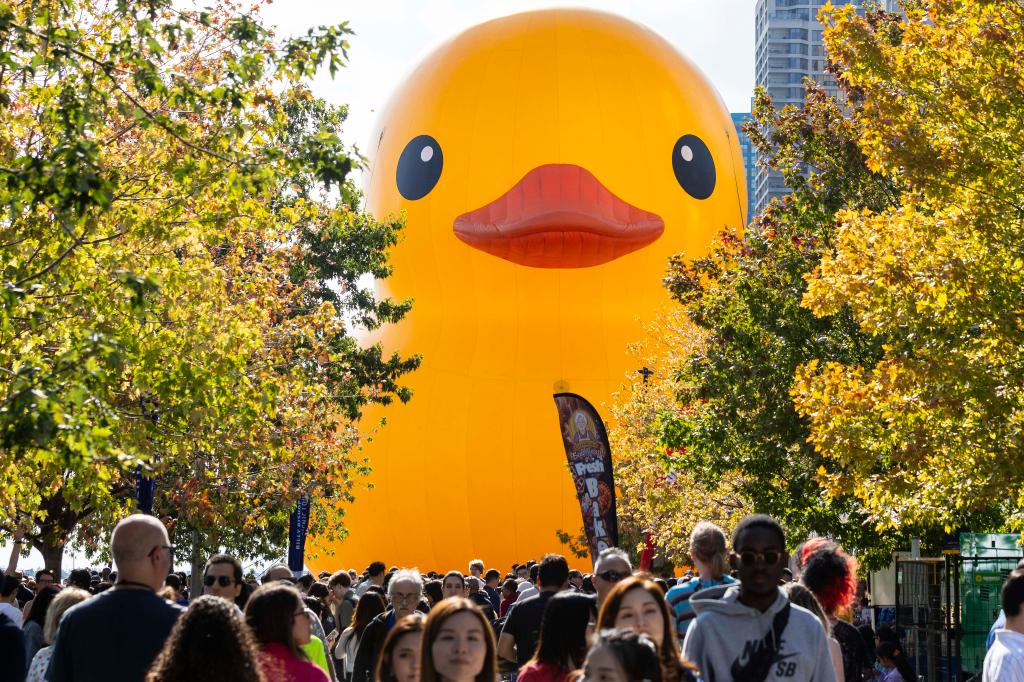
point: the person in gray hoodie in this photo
(750, 632)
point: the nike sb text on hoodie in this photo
(727, 635)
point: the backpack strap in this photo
(759, 664)
(779, 624)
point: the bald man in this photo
(278, 572)
(117, 634)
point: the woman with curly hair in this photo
(209, 642)
(400, 656)
(637, 603)
(282, 625)
(831, 574)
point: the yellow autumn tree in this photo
(933, 431)
(180, 256)
(657, 493)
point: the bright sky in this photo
(392, 36)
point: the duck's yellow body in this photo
(549, 163)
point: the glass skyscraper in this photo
(749, 162)
(788, 48)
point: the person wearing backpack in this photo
(751, 632)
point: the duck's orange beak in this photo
(559, 216)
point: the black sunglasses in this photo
(770, 558)
(223, 580)
(612, 576)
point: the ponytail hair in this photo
(707, 543)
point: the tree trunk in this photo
(53, 557)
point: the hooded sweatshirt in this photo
(726, 633)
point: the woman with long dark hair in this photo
(894, 662)
(458, 644)
(68, 597)
(400, 656)
(637, 603)
(369, 606)
(568, 622)
(209, 642)
(36, 621)
(281, 624)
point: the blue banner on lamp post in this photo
(298, 525)
(145, 490)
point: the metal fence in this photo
(944, 609)
(924, 595)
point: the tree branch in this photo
(49, 268)
(107, 68)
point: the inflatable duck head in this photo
(548, 164)
(558, 139)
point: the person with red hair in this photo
(831, 574)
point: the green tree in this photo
(736, 418)
(929, 432)
(180, 253)
(657, 493)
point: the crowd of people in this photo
(748, 614)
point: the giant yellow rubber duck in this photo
(549, 163)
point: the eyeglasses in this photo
(770, 558)
(169, 548)
(405, 598)
(612, 576)
(222, 580)
(303, 612)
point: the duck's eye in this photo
(419, 167)
(693, 166)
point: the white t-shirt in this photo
(12, 612)
(345, 650)
(526, 590)
(1004, 662)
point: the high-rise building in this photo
(749, 162)
(788, 48)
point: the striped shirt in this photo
(678, 599)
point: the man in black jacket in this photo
(479, 597)
(518, 639)
(12, 650)
(405, 590)
(116, 635)
(491, 580)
